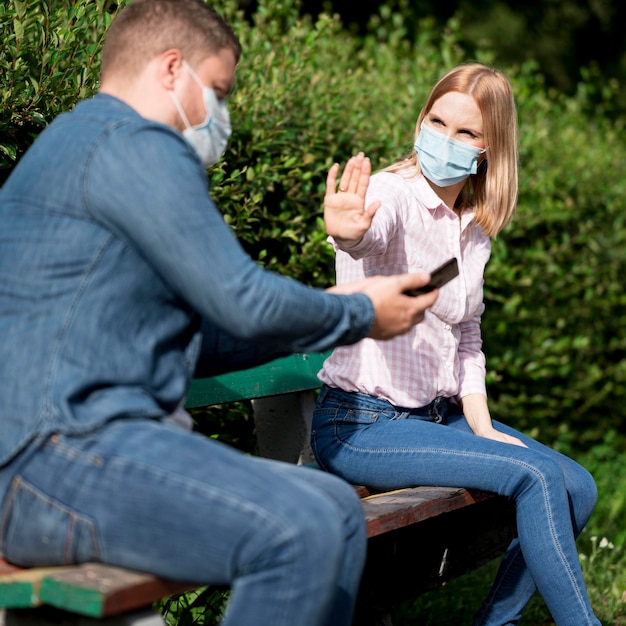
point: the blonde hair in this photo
(146, 28)
(493, 190)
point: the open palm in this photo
(345, 216)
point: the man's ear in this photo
(169, 67)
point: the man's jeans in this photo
(154, 497)
(368, 441)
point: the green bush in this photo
(48, 63)
(555, 319)
(309, 93)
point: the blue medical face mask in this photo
(210, 138)
(443, 160)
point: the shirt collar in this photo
(433, 202)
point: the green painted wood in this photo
(99, 590)
(19, 588)
(18, 594)
(70, 597)
(297, 372)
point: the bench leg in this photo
(48, 616)
(283, 426)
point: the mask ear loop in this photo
(179, 108)
(174, 98)
(193, 73)
(210, 112)
(484, 160)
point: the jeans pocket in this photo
(360, 416)
(38, 530)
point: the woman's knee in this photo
(583, 494)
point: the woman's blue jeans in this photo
(368, 441)
(154, 497)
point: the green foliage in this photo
(203, 606)
(230, 423)
(309, 94)
(555, 319)
(49, 61)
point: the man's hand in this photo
(395, 312)
(345, 216)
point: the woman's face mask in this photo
(210, 138)
(443, 160)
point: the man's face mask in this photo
(210, 138)
(443, 160)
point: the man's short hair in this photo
(146, 28)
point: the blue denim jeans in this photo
(153, 497)
(369, 441)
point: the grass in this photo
(602, 550)
(456, 603)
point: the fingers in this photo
(363, 178)
(372, 208)
(496, 435)
(349, 178)
(517, 442)
(354, 178)
(424, 302)
(413, 281)
(331, 179)
(395, 312)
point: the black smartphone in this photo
(438, 278)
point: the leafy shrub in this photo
(48, 63)
(555, 298)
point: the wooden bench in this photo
(419, 538)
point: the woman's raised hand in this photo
(345, 216)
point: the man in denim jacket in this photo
(111, 254)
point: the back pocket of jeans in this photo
(39, 530)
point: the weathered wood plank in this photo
(19, 588)
(403, 507)
(98, 590)
(7, 568)
(425, 555)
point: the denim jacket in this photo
(111, 254)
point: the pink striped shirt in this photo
(414, 230)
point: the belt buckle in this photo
(440, 409)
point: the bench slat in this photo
(19, 588)
(98, 590)
(296, 372)
(90, 589)
(403, 507)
